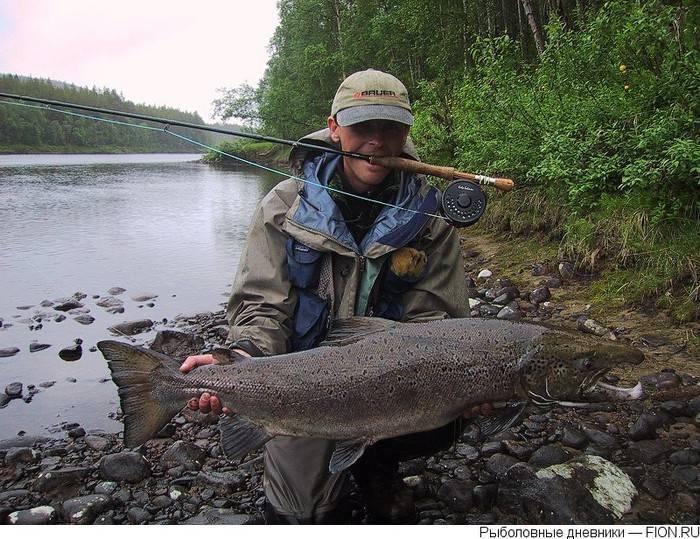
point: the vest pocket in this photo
(303, 265)
(310, 321)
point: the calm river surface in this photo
(155, 223)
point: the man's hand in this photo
(480, 409)
(206, 402)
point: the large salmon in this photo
(371, 379)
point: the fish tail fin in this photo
(132, 370)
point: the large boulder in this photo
(586, 490)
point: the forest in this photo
(25, 129)
(591, 106)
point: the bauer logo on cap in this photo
(371, 95)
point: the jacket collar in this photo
(315, 211)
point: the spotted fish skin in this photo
(390, 380)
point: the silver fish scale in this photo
(413, 377)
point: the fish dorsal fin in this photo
(346, 454)
(346, 331)
(239, 436)
(501, 419)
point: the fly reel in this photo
(463, 203)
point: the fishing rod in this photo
(462, 203)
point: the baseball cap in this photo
(371, 95)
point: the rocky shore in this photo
(636, 462)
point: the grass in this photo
(635, 261)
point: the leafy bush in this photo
(609, 109)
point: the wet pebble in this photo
(484, 274)
(125, 466)
(77, 432)
(4, 400)
(687, 474)
(106, 487)
(649, 451)
(20, 455)
(548, 455)
(68, 305)
(72, 353)
(137, 515)
(84, 509)
(485, 496)
(499, 464)
(694, 406)
(674, 408)
(456, 494)
(519, 450)
(14, 390)
(132, 328)
(540, 295)
(566, 270)
(84, 319)
(143, 297)
(491, 448)
(467, 452)
(588, 325)
(509, 313)
(185, 454)
(644, 428)
(489, 310)
(36, 347)
(601, 439)
(97, 443)
(667, 380)
(44, 514)
(685, 457)
(574, 438)
(8, 352)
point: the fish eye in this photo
(587, 363)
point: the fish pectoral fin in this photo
(239, 436)
(501, 419)
(346, 331)
(346, 454)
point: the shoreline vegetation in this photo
(34, 150)
(592, 107)
(33, 129)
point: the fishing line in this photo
(166, 129)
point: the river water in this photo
(160, 224)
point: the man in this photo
(314, 255)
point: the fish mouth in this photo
(619, 393)
(590, 385)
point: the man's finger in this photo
(215, 404)
(193, 404)
(204, 403)
(195, 361)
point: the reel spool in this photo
(463, 203)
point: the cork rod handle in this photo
(448, 173)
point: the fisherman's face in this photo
(374, 137)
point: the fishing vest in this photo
(310, 271)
